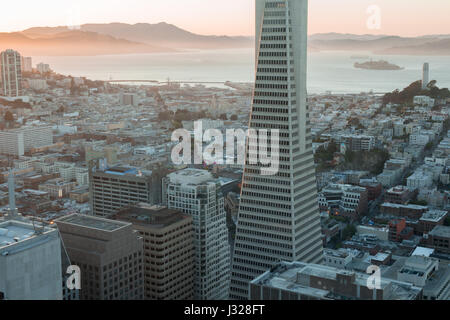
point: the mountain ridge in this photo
(121, 38)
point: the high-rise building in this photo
(109, 254)
(27, 64)
(43, 67)
(168, 250)
(198, 194)
(112, 189)
(11, 73)
(278, 216)
(426, 75)
(18, 141)
(30, 262)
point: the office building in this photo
(422, 271)
(168, 250)
(198, 194)
(356, 142)
(303, 281)
(112, 189)
(30, 261)
(398, 195)
(109, 254)
(278, 217)
(11, 73)
(344, 199)
(16, 142)
(439, 239)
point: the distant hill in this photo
(425, 45)
(122, 38)
(160, 35)
(435, 47)
(73, 43)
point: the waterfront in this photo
(328, 71)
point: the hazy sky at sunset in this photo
(231, 17)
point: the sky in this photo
(233, 17)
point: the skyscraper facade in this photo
(198, 194)
(278, 216)
(30, 261)
(109, 254)
(11, 73)
(168, 250)
(114, 188)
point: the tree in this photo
(234, 117)
(223, 116)
(9, 117)
(177, 124)
(165, 115)
(349, 231)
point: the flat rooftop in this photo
(434, 215)
(335, 253)
(152, 216)
(190, 176)
(441, 231)
(92, 222)
(409, 206)
(18, 235)
(422, 251)
(290, 276)
(11, 233)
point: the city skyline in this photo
(143, 162)
(347, 16)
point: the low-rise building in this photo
(302, 281)
(439, 239)
(346, 200)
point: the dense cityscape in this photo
(93, 207)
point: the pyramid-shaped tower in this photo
(279, 214)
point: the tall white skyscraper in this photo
(426, 75)
(11, 73)
(197, 193)
(279, 215)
